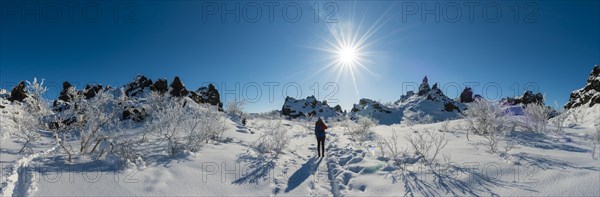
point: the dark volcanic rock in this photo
(588, 95)
(138, 86)
(91, 90)
(424, 87)
(161, 86)
(134, 113)
(208, 95)
(338, 109)
(178, 88)
(311, 107)
(527, 98)
(65, 94)
(18, 93)
(467, 95)
(363, 103)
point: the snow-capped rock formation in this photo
(527, 98)
(136, 91)
(142, 85)
(208, 95)
(466, 96)
(139, 86)
(429, 103)
(309, 107)
(588, 95)
(18, 93)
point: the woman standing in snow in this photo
(320, 134)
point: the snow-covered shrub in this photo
(26, 130)
(489, 120)
(183, 124)
(99, 118)
(235, 107)
(418, 117)
(93, 121)
(445, 126)
(536, 117)
(273, 139)
(594, 137)
(28, 122)
(391, 145)
(361, 130)
(559, 121)
(126, 148)
(427, 144)
(577, 115)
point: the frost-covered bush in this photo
(536, 117)
(577, 115)
(88, 123)
(235, 107)
(28, 122)
(489, 120)
(391, 145)
(559, 121)
(445, 126)
(418, 117)
(427, 144)
(361, 131)
(182, 124)
(594, 137)
(273, 139)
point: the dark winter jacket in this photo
(320, 128)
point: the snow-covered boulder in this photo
(588, 95)
(18, 93)
(161, 86)
(429, 102)
(527, 98)
(466, 96)
(178, 88)
(309, 107)
(208, 95)
(139, 86)
(91, 90)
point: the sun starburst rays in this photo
(349, 50)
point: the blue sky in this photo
(548, 47)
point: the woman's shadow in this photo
(303, 173)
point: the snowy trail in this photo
(19, 181)
(326, 179)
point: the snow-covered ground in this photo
(539, 165)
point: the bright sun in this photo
(349, 51)
(347, 55)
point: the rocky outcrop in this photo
(134, 113)
(527, 98)
(364, 104)
(309, 107)
(178, 88)
(91, 90)
(338, 109)
(424, 87)
(208, 95)
(138, 86)
(466, 96)
(160, 86)
(67, 93)
(428, 101)
(589, 95)
(18, 93)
